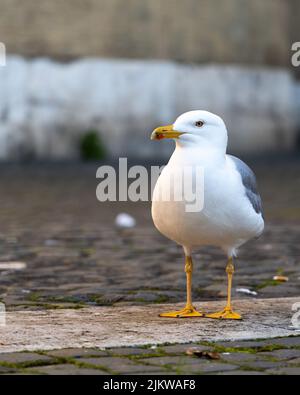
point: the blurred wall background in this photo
(123, 67)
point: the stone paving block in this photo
(290, 371)
(119, 365)
(295, 361)
(24, 357)
(254, 344)
(263, 365)
(5, 370)
(257, 343)
(208, 367)
(240, 357)
(132, 351)
(283, 354)
(242, 373)
(172, 360)
(23, 373)
(162, 372)
(66, 369)
(292, 341)
(105, 327)
(77, 353)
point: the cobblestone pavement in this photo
(279, 356)
(50, 220)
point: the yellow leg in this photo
(227, 313)
(189, 310)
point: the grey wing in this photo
(249, 182)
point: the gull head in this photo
(195, 128)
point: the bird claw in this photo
(187, 312)
(226, 314)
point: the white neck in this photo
(204, 155)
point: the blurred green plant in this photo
(91, 146)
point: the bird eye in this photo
(199, 124)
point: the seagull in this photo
(231, 213)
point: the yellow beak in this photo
(165, 132)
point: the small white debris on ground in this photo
(267, 247)
(124, 220)
(281, 279)
(12, 265)
(246, 291)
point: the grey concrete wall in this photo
(46, 106)
(226, 31)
